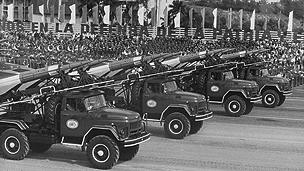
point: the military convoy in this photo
(103, 106)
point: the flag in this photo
(166, 16)
(10, 12)
(30, 12)
(140, 14)
(153, 17)
(52, 12)
(73, 14)
(130, 12)
(41, 10)
(118, 12)
(95, 14)
(177, 20)
(20, 12)
(252, 20)
(203, 13)
(106, 17)
(265, 23)
(62, 13)
(59, 9)
(191, 17)
(290, 21)
(241, 19)
(214, 12)
(84, 15)
(48, 6)
(160, 11)
(1, 11)
(229, 18)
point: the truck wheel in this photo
(249, 108)
(52, 106)
(235, 106)
(282, 100)
(195, 127)
(102, 152)
(177, 126)
(270, 98)
(39, 147)
(14, 144)
(127, 153)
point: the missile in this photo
(125, 64)
(9, 83)
(191, 57)
(242, 53)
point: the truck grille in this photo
(135, 127)
(202, 106)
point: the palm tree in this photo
(176, 7)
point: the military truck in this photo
(160, 100)
(219, 85)
(272, 88)
(78, 117)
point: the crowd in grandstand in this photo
(38, 50)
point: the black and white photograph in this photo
(152, 85)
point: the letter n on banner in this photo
(248, 35)
(132, 31)
(228, 34)
(143, 31)
(199, 33)
(161, 31)
(266, 35)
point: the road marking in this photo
(255, 139)
(269, 117)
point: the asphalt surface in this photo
(266, 139)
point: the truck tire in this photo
(235, 106)
(50, 109)
(177, 126)
(195, 127)
(127, 153)
(102, 152)
(249, 108)
(282, 100)
(39, 147)
(270, 98)
(14, 144)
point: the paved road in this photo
(266, 139)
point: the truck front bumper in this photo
(138, 139)
(255, 99)
(203, 116)
(286, 93)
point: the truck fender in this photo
(19, 123)
(275, 86)
(233, 91)
(106, 129)
(185, 108)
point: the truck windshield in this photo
(94, 102)
(264, 72)
(169, 86)
(228, 75)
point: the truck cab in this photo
(161, 100)
(81, 118)
(273, 89)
